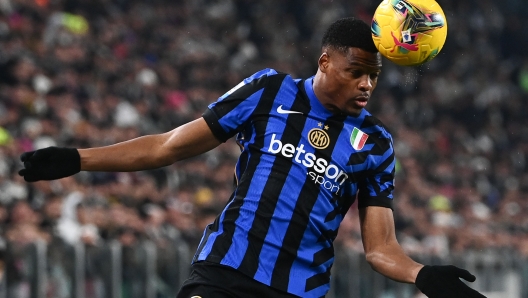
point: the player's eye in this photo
(356, 73)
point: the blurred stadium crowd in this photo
(95, 72)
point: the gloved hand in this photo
(444, 282)
(50, 163)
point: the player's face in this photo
(348, 79)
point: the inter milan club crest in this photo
(358, 139)
(318, 138)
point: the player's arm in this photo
(147, 152)
(221, 121)
(151, 151)
(387, 257)
(382, 250)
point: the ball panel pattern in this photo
(409, 32)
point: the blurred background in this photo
(95, 72)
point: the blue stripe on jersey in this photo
(206, 249)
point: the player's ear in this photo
(323, 62)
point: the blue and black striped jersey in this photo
(300, 170)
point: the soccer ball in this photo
(409, 32)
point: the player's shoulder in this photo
(373, 124)
(256, 81)
(271, 77)
(267, 73)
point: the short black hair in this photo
(349, 32)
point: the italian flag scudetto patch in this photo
(358, 139)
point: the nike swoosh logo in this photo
(281, 111)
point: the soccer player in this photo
(309, 150)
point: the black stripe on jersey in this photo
(344, 204)
(332, 215)
(279, 173)
(381, 144)
(242, 164)
(218, 250)
(210, 229)
(358, 157)
(370, 121)
(386, 163)
(317, 280)
(299, 221)
(320, 279)
(212, 120)
(243, 159)
(323, 256)
(387, 178)
(381, 199)
(375, 201)
(229, 103)
(356, 177)
(330, 234)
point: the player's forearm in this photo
(138, 154)
(392, 262)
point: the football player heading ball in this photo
(309, 150)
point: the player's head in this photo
(346, 33)
(348, 66)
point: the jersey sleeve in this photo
(376, 189)
(229, 114)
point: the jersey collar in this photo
(317, 106)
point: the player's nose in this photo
(365, 83)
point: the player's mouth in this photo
(361, 100)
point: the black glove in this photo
(444, 281)
(50, 163)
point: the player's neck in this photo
(323, 96)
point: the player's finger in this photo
(22, 172)
(30, 178)
(26, 155)
(42, 154)
(28, 165)
(465, 274)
